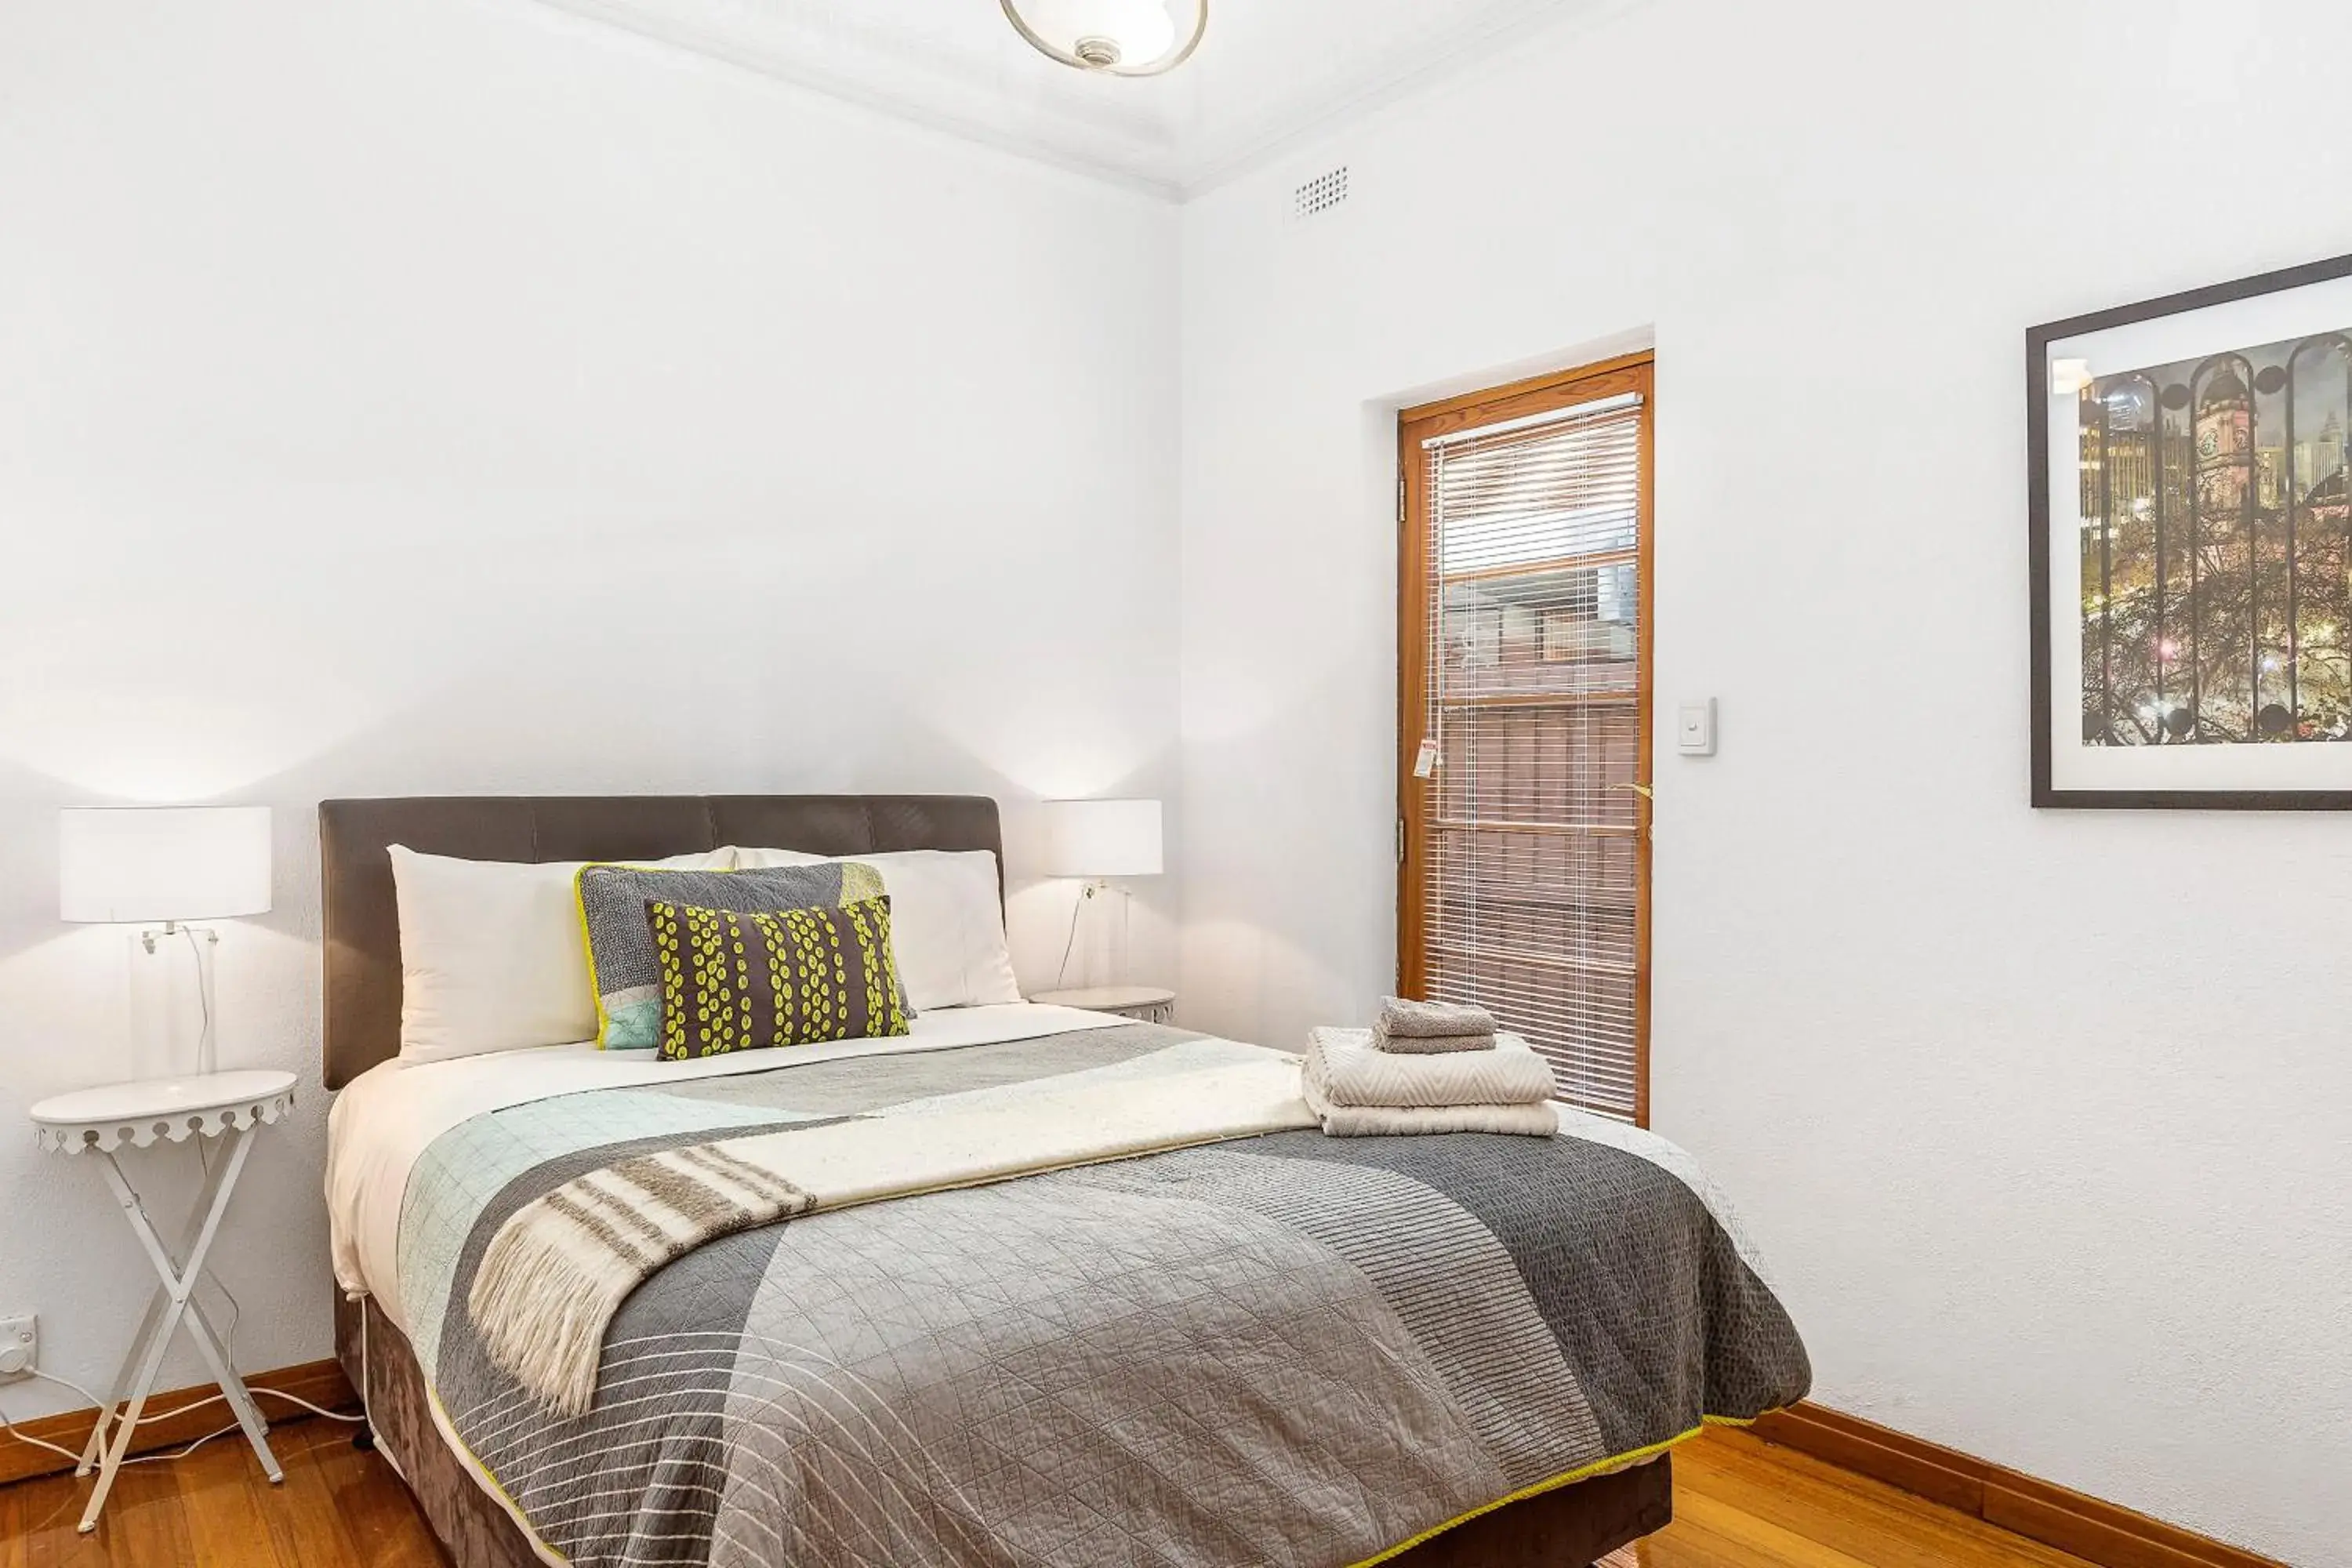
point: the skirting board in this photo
(2096, 1532)
(320, 1382)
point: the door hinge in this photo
(1400, 495)
(1400, 841)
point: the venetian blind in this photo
(1533, 896)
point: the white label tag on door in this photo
(1424, 762)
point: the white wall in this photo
(437, 395)
(394, 395)
(2043, 1117)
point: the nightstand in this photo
(229, 1106)
(1145, 1004)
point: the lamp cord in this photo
(1077, 905)
(204, 997)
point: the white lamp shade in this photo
(138, 864)
(1102, 838)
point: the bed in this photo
(1260, 1346)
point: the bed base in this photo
(1569, 1527)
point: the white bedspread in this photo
(382, 1123)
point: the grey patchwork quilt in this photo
(1287, 1349)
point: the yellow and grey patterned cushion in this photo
(621, 964)
(744, 981)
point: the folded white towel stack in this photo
(1355, 1088)
(1427, 1028)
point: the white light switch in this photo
(1695, 729)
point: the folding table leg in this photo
(149, 1365)
(121, 1387)
(179, 1280)
(239, 1397)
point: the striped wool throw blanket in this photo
(556, 1273)
(560, 1266)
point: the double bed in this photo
(1220, 1337)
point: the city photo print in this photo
(2192, 548)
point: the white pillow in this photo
(492, 953)
(947, 924)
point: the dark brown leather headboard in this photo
(362, 925)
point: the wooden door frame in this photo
(1537, 394)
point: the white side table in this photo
(224, 1104)
(1145, 1004)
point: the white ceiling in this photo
(1268, 72)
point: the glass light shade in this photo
(1117, 38)
(141, 864)
(1102, 838)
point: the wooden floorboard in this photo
(1739, 1503)
(1737, 1500)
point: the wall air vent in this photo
(1320, 194)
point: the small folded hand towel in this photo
(1343, 1066)
(1422, 1028)
(1428, 1045)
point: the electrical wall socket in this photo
(20, 1344)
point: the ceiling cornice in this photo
(1474, 46)
(919, 98)
(1167, 137)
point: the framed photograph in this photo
(2192, 548)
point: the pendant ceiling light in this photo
(1112, 38)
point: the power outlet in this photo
(20, 1346)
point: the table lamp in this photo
(1098, 840)
(165, 867)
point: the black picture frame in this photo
(2038, 396)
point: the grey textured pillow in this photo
(621, 964)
